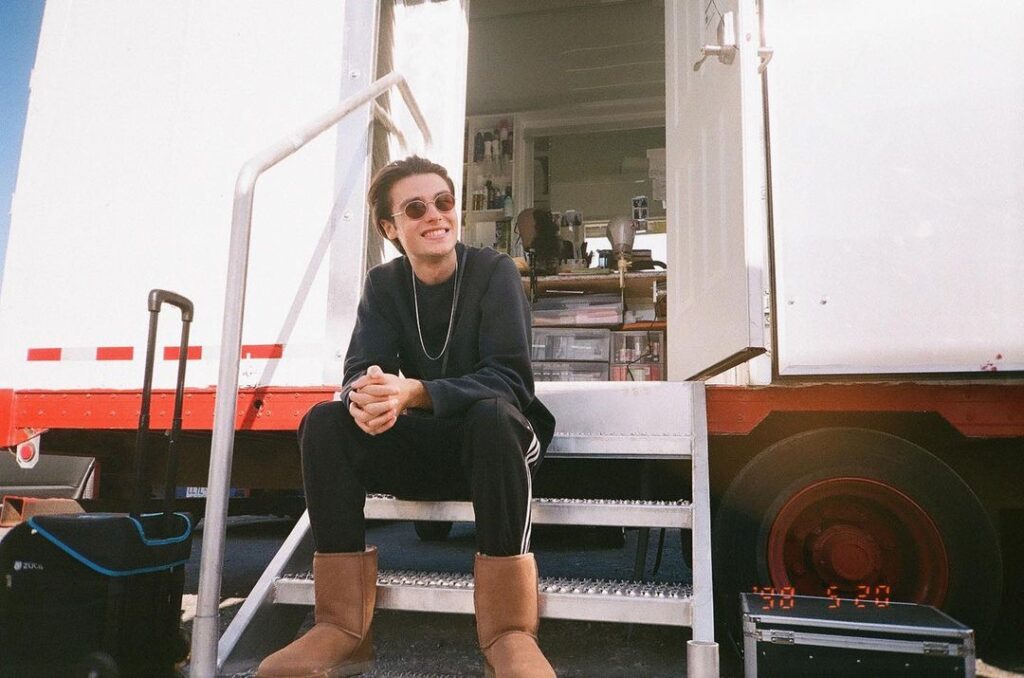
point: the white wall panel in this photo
(898, 185)
(140, 116)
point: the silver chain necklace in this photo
(451, 320)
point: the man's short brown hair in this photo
(379, 194)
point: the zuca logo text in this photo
(26, 565)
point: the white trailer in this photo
(844, 207)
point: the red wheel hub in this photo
(850, 536)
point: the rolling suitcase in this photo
(99, 594)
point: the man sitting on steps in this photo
(461, 422)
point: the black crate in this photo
(65, 613)
(790, 635)
(99, 594)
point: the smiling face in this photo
(431, 238)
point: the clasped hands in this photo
(377, 398)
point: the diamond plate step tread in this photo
(560, 597)
(546, 511)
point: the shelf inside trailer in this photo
(638, 283)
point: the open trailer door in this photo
(716, 189)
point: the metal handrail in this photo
(701, 649)
(206, 627)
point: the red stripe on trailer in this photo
(44, 354)
(7, 418)
(251, 351)
(982, 410)
(11, 435)
(173, 352)
(115, 353)
(262, 350)
(259, 409)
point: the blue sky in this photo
(19, 34)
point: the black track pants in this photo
(488, 455)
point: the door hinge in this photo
(725, 50)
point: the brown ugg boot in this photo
(505, 598)
(340, 643)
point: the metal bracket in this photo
(765, 54)
(725, 50)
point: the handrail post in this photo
(206, 628)
(701, 650)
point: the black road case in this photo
(790, 635)
(100, 594)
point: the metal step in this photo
(624, 419)
(560, 598)
(613, 420)
(610, 512)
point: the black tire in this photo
(432, 530)
(816, 459)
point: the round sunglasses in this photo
(415, 209)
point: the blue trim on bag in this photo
(169, 540)
(116, 573)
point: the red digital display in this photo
(776, 598)
(783, 598)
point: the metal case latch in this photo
(780, 637)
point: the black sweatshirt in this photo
(488, 355)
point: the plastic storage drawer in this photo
(570, 344)
(637, 372)
(570, 371)
(638, 346)
(578, 310)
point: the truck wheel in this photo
(853, 512)
(432, 530)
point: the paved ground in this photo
(445, 645)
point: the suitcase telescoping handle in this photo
(156, 299)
